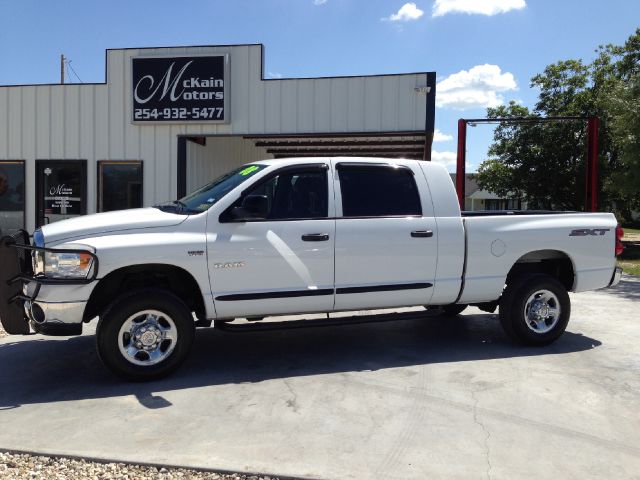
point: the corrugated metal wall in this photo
(218, 156)
(92, 121)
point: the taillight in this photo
(619, 244)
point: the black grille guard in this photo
(16, 270)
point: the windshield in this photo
(203, 198)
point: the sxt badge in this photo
(585, 232)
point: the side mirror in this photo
(254, 207)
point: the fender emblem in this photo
(229, 265)
(195, 253)
(585, 232)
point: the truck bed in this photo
(495, 241)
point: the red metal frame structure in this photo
(591, 176)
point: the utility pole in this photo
(62, 59)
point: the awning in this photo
(409, 145)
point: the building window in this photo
(378, 191)
(514, 204)
(119, 185)
(491, 204)
(503, 204)
(11, 195)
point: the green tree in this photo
(623, 104)
(544, 163)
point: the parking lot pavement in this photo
(419, 397)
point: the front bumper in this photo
(55, 318)
(615, 278)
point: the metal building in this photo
(168, 120)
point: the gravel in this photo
(2, 332)
(57, 468)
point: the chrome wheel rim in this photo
(147, 337)
(542, 311)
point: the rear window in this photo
(378, 191)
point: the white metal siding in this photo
(218, 156)
(93, 122)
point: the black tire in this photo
(125, 308)
(531, 330)
(454, 309)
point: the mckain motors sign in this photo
(179, 89)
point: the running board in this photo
(322, 322)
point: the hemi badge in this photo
(229, 265)
(195, 253)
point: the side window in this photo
(12, 182)
(378, 191)
(119, 185)
(291, 195)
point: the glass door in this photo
(61, 190)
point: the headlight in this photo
(63, 264)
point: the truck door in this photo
(281, 261)
(386, 247)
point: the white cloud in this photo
(482, 7)
(448, 159)
(319, 2)
(438, 136)
(408, 12)
(274, 75)
(479, 87)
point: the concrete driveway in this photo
(420, 397)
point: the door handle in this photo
(422, 233)
(315, 237)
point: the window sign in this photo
(180, 89)
(11, 195)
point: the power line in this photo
(74, 72)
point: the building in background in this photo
(477, 199)
(168, 120)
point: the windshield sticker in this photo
(249, 170)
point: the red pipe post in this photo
(462, 160)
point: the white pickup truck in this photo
(295, 236)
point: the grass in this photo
(631, 267)
(630, 258)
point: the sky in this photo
(483, 51)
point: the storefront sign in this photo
(180, 89)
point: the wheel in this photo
(454, 309)
(535, 309)
(145, 335)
